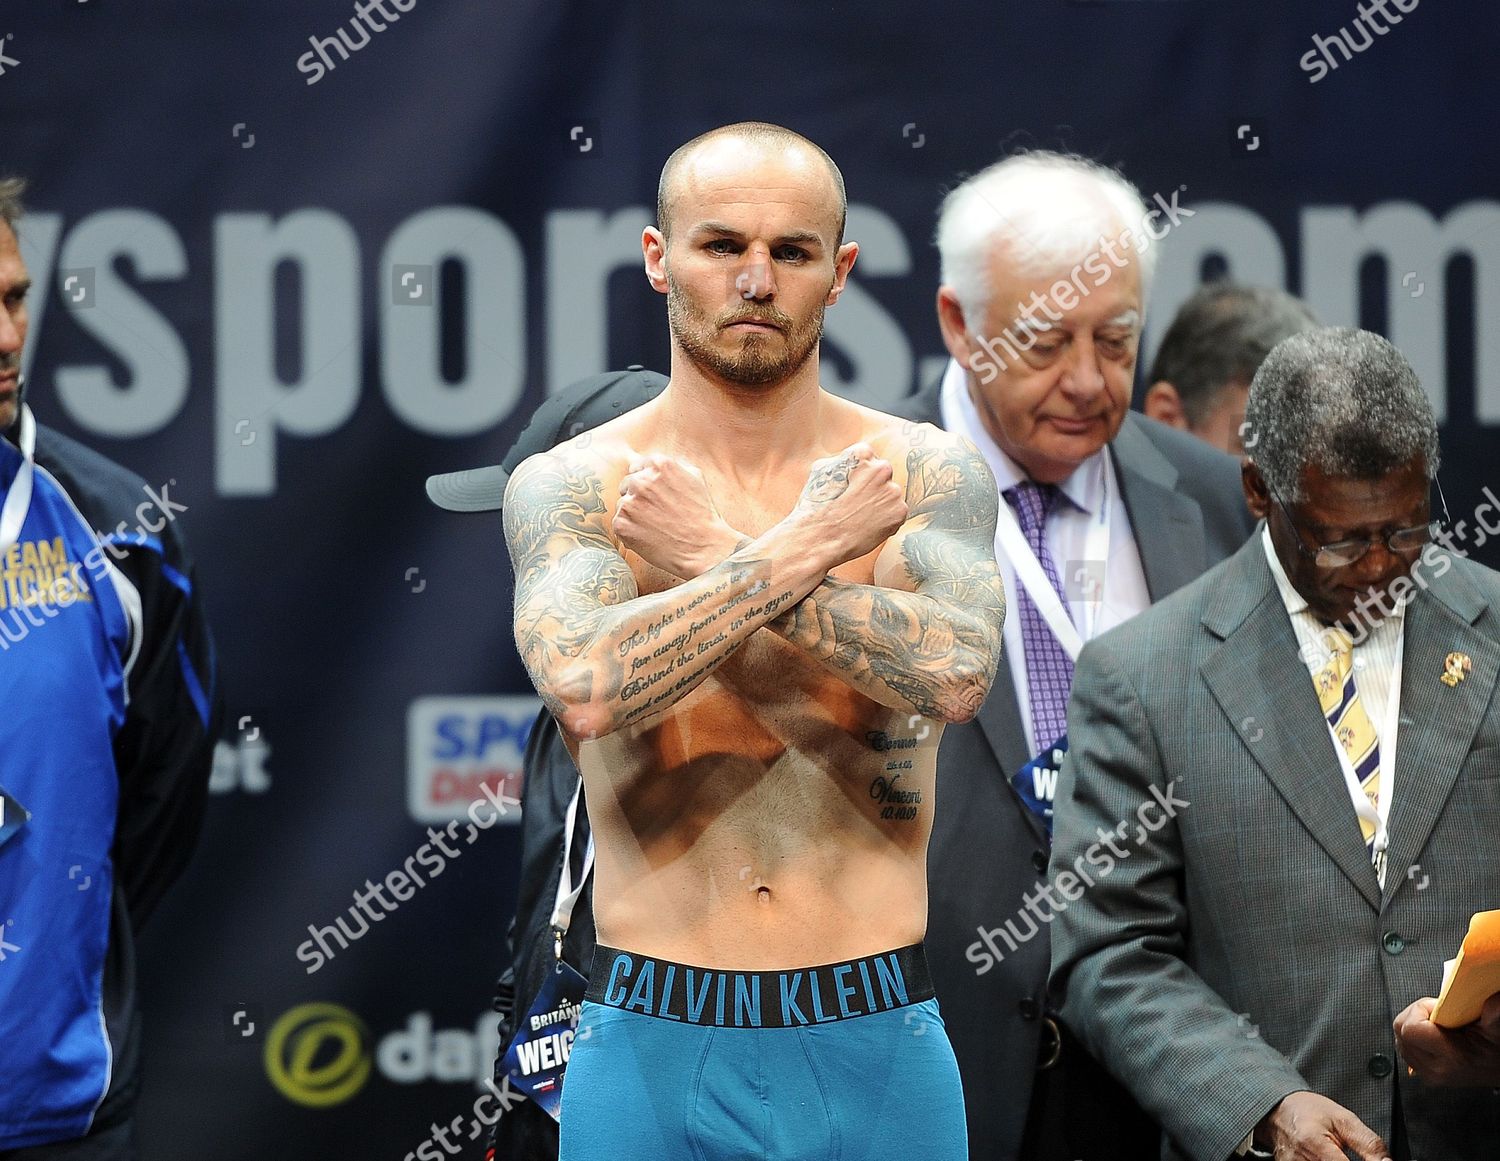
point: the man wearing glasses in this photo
(1296, 764)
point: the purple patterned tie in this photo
(1049, 669)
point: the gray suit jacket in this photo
(1243, 949)
(988, 851)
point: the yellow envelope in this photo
(1473, 977)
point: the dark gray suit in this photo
(1245, 950)
(1187, 512)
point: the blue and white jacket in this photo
(108, 711)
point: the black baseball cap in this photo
(576, 408)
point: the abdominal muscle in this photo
(773, 818)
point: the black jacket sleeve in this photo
(164, 749)
(525, 1133)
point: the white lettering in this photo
(254, 402)
(156, 362)
(494, 323)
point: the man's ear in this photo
(1163, 404)
(956, 336)
(654, 251)
(843, 262)
(1257, 495)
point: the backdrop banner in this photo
(292, 257)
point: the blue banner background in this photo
(166, 144)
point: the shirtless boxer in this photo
(752, 605)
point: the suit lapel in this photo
(1168, 526)
(1438, 721)
(1257, 678)
(999, 718)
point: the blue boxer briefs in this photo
(841, 1062)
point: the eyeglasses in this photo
(1343, 553)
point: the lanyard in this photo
(567, 893)
(1029, 572)
(18, 499)
(1378, 814)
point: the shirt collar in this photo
(1294, 601)
(1084, 488)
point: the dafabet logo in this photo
(318, 1055)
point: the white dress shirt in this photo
(1123, 590)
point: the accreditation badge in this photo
(538, 1056)
(1036, 782)
(13, 816)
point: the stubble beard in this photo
(757, 362)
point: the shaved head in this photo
(734, 142)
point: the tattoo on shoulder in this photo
(953, 484)
(951, 550)
(555, 495)
(566, 565)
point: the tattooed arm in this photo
(601, 655)
(926, 635)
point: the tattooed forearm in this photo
(905, 650)
(601, 655)
(698, 648)
(665, 659)
(935, 649)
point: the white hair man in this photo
(1046, 265)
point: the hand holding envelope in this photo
(1455, 1039)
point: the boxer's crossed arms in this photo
(920, 636)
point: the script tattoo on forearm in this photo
(569, 574)
(660, 664)
(936, 649)
(704, 638)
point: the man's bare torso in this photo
(774, 816)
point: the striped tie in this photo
(1350, 724)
